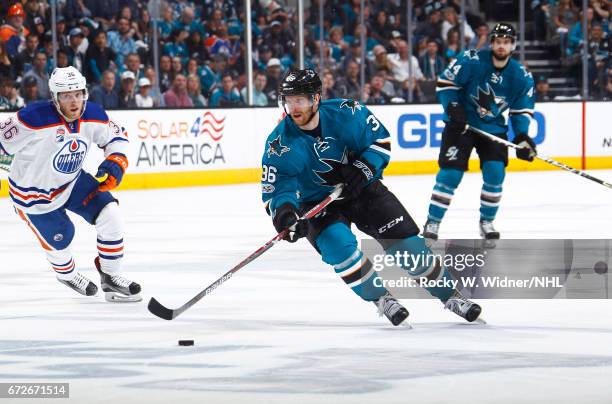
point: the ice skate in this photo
(117, 288)
(488, 233)
(431, 229)
(392, 309)
(81, 284)
(463, 307)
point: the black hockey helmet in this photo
(503, 30)
(300, 82)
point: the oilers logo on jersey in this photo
(43, 184)
(70, 157)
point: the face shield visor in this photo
(293, 103)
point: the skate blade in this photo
(406, 325)
(479, 320)
(114, 297)
(489, 243)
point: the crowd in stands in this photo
(560, 22)
(202, 52)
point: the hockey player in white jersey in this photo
(49, 141)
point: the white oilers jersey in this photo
(49, 152)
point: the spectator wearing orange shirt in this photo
(13, 33)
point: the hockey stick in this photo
(543, 158)
(161, 311)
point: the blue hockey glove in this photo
(286, 216)
(457, 118)
(355, 176)
(528, 151)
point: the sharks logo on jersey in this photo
(471, 54)
(70, 157)
(276, 148)
(487, 92)
(352, 105)
(488, 105)
(322, 145)
(330, 174)
(315, 163)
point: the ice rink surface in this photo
(286, 328)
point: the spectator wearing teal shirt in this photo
(121, 41)
(259, 97)
(211, 75)
(176, 45)
(575, 34)
(227, 95)
(188, 22)
(166, 24)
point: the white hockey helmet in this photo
(65, 79)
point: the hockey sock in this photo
(493, 173)
(62, 263)
(110, 238)
(447, 181)
(358, 273)
(338, 247)
(423, 264)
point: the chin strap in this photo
(314, 112)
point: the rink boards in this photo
(186, 147)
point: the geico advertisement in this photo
(416, 130)
(599, 139)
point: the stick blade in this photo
(160, 310)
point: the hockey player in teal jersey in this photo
(478, 88)
(323, 143)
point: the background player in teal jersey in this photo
(323, 143)
(477, 88)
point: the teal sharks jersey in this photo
(487, 92)
(299, 168)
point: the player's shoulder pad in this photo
(94, 113)
(347, 107)
(278, 142)
(472, 57)
(38, 115)
(519, 73)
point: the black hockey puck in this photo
(185, 342)
(600, 268)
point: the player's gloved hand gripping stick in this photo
(287, 217)
(457, 118)
(110, 174)
(161, 311)
(543, 158)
